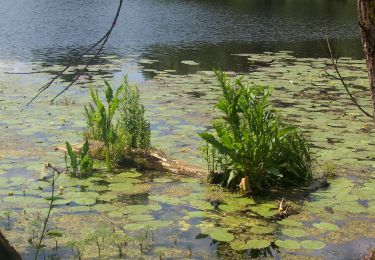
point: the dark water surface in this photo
(52, 32)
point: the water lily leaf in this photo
(293, 232)
(23, 202)
(147, 61)
(288, 244)
(71, 209)
(264, 210)
(290, 222)
(134, 226)
(261, 230)
(189, 62)
(218, 233)
(313, 244)
(156, 224)
(84, 201)
(106, 207)
(352, 207)
(141, 217)
(196, 214)
(108, 196)
(166, 199)
(129, 186)
(326, 226)
(201, 204)
(62, 201)
(141, 209)
(116, 214)
(251, 244)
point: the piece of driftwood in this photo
(6, 250)
(152, 159)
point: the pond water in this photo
(172, 31)
(169, 48)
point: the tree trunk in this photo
(6, 250)
(366, 15)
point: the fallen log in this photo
(153, 159)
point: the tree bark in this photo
(6, 250)
(366, 16)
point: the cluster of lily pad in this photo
(182, 207)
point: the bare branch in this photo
(334, 61)
(101, 41)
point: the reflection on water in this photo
(171, 31)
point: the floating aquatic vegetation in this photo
(264, 210)
(134, 226)
(313, 244)
(290, 222)
(301, 91)
(260, 230)
(189, 62)
(250, 244)
(288, 244)
(293, 232)
(326, 226)
(218, 233)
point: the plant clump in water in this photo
(121, 135)
(251, 145)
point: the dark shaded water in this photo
(170, 31)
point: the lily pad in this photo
(290, 222)
(326, 226)
(134, 226)
(156, 224)
(142, 217)
(189, 62)
(261, 230)
(293, 232)
(251, 244)
(313, 244)
(196, 214)
(218, 233)
(288, 244)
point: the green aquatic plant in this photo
(120, 240)
(254, 140)
(45, 231)
(79, 246)
(132, 120)
(79, 166)
(99, 119)
(120, 133)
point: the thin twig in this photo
(101, 41)
(334, 62)
(47, 218)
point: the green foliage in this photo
(330, 170)
(80, 166)
(100, 118)
(129, 130)
(253, 141)
(132, 119)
